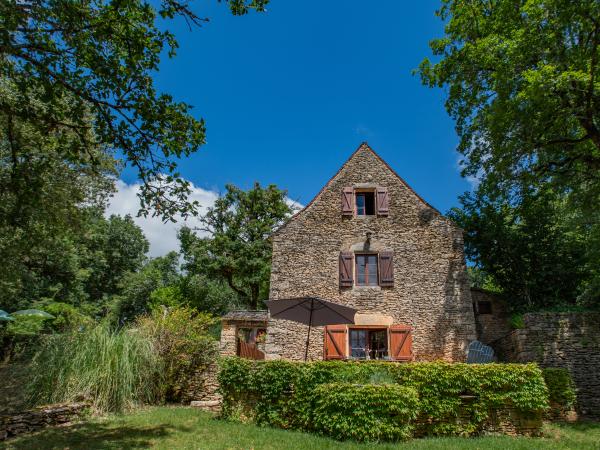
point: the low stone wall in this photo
(202, 392)
(202, 389)
(35, 419)
(569, 340)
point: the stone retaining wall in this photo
(35, 419)
(569, 340)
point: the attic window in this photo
(365, 203)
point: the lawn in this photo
(187, 428)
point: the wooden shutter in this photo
(382, 201)
(348, 201)
(336, 342)
(400, 342)
(386, 269)
(346, 269)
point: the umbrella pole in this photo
(309, 326)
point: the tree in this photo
(100, 55)
(535, 251)
(45, 203)
(114, 247)
(523, 86)
(237, 250)
(137, 287)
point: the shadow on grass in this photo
(94, 435)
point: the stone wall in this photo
(431, 290)
(570, 340)
(494, 326)
(202, 386)
(35, 419)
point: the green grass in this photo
(187, 428)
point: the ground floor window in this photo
(390, 343)
(368, 343)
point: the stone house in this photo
(370, 242)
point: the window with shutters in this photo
(393, 343)
(368, 343)
(365, 203)
(367, 269)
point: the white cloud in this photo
(473, 180)
(162, 236)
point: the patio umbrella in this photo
(33, 312)
(311, 311)
(5, 317)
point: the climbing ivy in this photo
(453, 399)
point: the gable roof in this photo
(362, 146)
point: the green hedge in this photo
(561, 389)
(454, 399)
(365, 412)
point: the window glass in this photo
(360, 204)
(366, 270)
(365, 204)
(358, 343)
(368, 343)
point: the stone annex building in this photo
(370, 242)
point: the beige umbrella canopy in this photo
(311, 311)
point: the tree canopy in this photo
(523, 86)
(100, 56)
(237, 250)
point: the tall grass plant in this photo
(114, 370)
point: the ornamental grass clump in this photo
(112, 369)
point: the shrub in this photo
(181, 339)
(381, 412)
(561, 390)
(114, 370)
(454, 399)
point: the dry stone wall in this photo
(569, 340)
(494, 326)
(35, 419)
(430, 293)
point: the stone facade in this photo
(491, 325)
(431, 289)
(569, 340)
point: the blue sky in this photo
(289, 94)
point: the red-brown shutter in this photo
(336, 342)
(346, 266)
(386, 268)
(348, 201)
(401, 343)
(382, 201)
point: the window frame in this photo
(363, 193)
(356, 266)
(369, 329)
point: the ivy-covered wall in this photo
(399, 400)
(568, 340)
